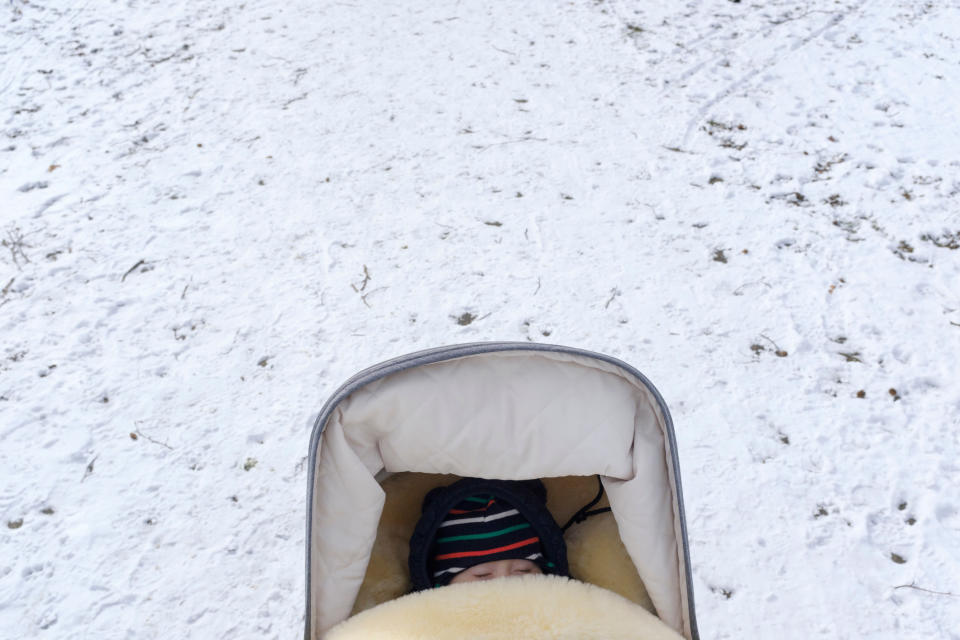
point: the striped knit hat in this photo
(474, 521)
(482, 528)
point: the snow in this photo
(215, 212)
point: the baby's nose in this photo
(502, 572)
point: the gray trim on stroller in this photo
(440, 354)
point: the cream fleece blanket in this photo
(535, 607)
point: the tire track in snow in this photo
(774, 60)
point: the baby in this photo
(478, 529)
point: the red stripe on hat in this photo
(458, 512)
(471, 554)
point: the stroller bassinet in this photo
(497, 410)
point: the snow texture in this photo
(213, 213)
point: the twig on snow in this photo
(292, 100)
(14, 242)
(913, 585)
(614, 293)
(300, 465)
(678, 150)
(366, 280)
(372, 291)
(141, 434)
(157, 61)
(130, 270)
(776, 348)
(5, 291)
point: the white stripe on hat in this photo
(503, 514)
(532, 556)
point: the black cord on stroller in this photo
(585, 511)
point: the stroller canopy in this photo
(495, 410)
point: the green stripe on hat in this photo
(480, 536)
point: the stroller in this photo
(501, 410)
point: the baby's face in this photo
(496, 569)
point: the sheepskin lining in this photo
(535, 607)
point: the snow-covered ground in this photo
(215, 212)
